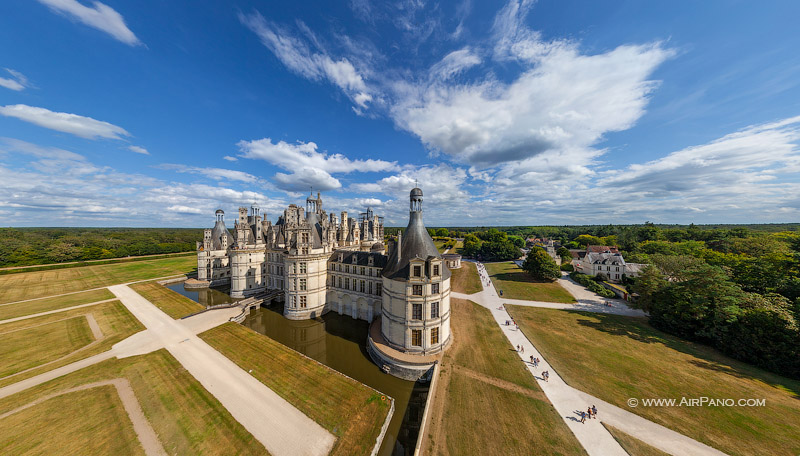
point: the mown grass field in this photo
(186, 417)
(112, 317)
(38, 284)
(516, 284)
(26, 348)
(486, 402)
(102, 429)
(632, 445)
(46, 304)
(616, 358)
(465, 279)
(351, 411)
(173, 304)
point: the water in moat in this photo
(338, 341)
(205, 296)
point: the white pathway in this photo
(568, 401)
(274, 422)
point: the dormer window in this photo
(435, 270)
(355, 259)
(417, 271)
(371, 261)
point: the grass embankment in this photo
(632, 445)
(465, 279)
(47, 304)
(173, 304)
(103, 428)
(616, 358)
(186, 417)
(351, 411)
(28, 285)
(112, 317)
(486, 401)
(26, 348)
(517, 284)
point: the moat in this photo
(339, 342)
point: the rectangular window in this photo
(347, 268)
(302, 284)
(370, 288)
(436, 270)
(434, 288)
(416, 337)
(303, 268)
(294, 284)
(363, 271)
(417, 271)
(416, 311)
(305, 251)
(434, 336)
(340, 281)
(294, 268)
(378, 288)
(340, 267)
(305, 238)
(434, 310)
(347, 283)
(303, 302)
(416, 290)
(362, 286)
(291, 301)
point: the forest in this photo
(33, 246)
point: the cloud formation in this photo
(99, 16)
(85, 127)
(138, 150)
(16, 82)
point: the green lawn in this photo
(616, 358)
(353, 412)
(103, 428)
(486, 401)
(112, 317)
(38, 284)
(632, 445)
(46, 304)
(173, 304)
(465, 279)
(186, 417)
(31, 347)
(517, 284)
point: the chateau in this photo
(317, 263)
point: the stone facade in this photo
(323, 263)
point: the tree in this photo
(564, 253)
(587, 239)
(540, 266)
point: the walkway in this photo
(145, 433)
(569, 402)
(49, 312)
(278, 425)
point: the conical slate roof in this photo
(217, 233)
(415, 243)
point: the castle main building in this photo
(322, 263)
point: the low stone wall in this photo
(426, 415)
(406, 371)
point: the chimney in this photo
(399, 246)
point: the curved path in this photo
(147, 436)
(569, 401)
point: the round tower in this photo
(414, 326)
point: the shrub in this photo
(591, 285)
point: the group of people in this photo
(534, 361)
(591, 412)
(483, 275)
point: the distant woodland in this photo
(32, 246)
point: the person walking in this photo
(594, 412)
(532, 361)
(517, 348)
(523, 349)
(583, 417)
(589, 412)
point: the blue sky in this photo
(155, 113)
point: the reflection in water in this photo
(340, 342)
(205, 296)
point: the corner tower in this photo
(414, 326)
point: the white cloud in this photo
(99, 16)
(16, 82)
(305, 154)
(230, 159)
(307, 179)
(138, 150)
(454, 63)
(300, 58)
(85, 127)
(212, 173)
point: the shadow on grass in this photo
(708, 358)
(518, 277)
